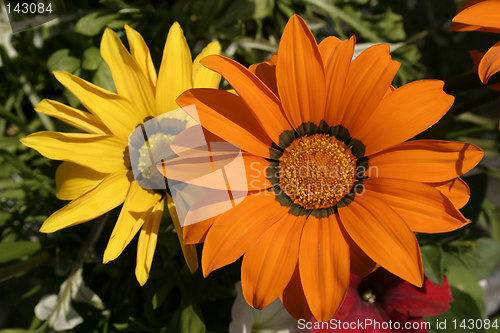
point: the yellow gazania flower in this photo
(482, 15)
(96, 173)
(333, 184)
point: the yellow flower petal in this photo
(104, 197)
(128, 76)
(202, 76)
(147, 243)
(77, 118)
(174, 76)
(135, 211)
(73, 180)
(189, 250)
(98, 152)
(140, 52)
(114, 111)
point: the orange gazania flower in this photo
(333, 186)
(482, 15)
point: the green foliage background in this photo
(33, 265)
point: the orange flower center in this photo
(317, 171)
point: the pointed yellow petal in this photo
(116, 112)
(136, 209)
(73, 180)
(98, 152)
(128, 76)
(77, 118)
(202, 76)
(140, 52)
(174, 76)
(189, 250)
(147, 243)
(104, 197)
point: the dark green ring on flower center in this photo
(316, 169)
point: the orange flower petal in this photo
(404, 113)
(423, 208)
(235, 232)
(337, 66)
(383, 235)
(227, 116)
(478, 16)
(327, 47)
(259, 98)
(266, 72)
(256, 171)
(324, 266)
(361, 264)
(196, 233)
(455, 189)
(300, 73)
(425, 160)
(268, 266)
(294, 300)
(193, 169)
(476, 58)
(369, 77)
(490, 63)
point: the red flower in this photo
(382, 302)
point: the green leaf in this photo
(117, 4)
(462, 307)
(483, 260)
(103, 78)
(161, 294)
(23, 266)
(331, 10)
(460, 277)
(91, 58)
(92, 24)
(262, 8)
(494, 325)
(191, 322)
(433, 263)
(493, 218)
(61, 60)
(16, 250)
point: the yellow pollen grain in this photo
(317, 171)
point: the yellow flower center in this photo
(317, 171)
(155, 150)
